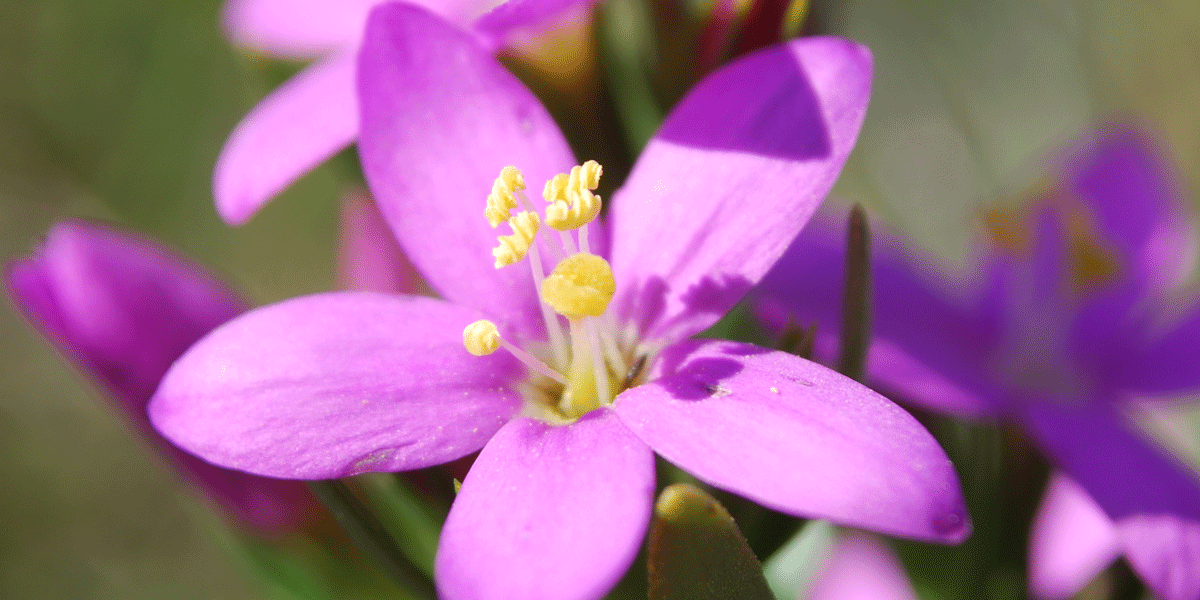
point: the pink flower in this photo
(559, 498)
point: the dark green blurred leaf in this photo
(414, 523)
(697, 552)
(370, 535)
(856, 297)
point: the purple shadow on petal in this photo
(1164, 550)
(797, 437)
(748, 126)
(548, 512)
(715, 198)
(123, 309)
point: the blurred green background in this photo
(115, 110)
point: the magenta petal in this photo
(861, 567)
(299, 125)
(797, 437)
(337, 384)
(1071, 543)
(124, 309)
(1161, 362)
(122, 306)
(436, 133)
(1125, 183)
(1126, 473)
(1164, 551)
(296, 28)
(731, 178)
(548, 512)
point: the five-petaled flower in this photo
(1074, 319)
(557, 502)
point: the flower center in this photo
(1036, 355)
(587, 365)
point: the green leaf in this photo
(697, 553)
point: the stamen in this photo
(572, 204)
(580, 286)
(513, 247)
(501, 201)
(482, 338)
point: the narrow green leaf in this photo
(414, 523)
(856, 301)
(697, 553)
(372, 538)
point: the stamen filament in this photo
(567, 243)
(558, 341)
(583, 239)
(599, 372)
(532, 362)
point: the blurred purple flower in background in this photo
(558, 500)
(315, 114)
(861, 567)
(1074, 540)
(123, 309)
(1074, 318)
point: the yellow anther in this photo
(580, 286)
(503, 200)
(481, 337)
(513, 247)
(572, 204)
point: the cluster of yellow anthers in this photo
(580, 286)
(572, 203)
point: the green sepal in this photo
(697, 553)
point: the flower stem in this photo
(369, 534)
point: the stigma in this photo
(584, 363)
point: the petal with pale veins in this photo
(548, 512)
(796, 437)
(337, 384)
(440, 118)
